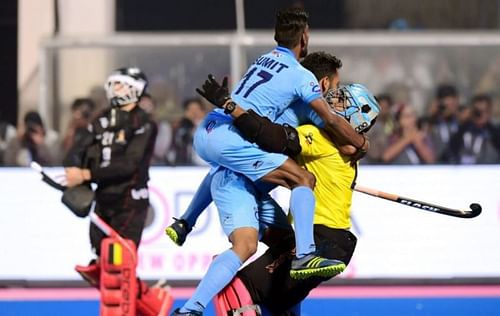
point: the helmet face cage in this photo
(336, 98)
(356, 104)
(125, 86)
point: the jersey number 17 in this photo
(264, 77)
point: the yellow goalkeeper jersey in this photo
(334, 177)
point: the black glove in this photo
(293, 147)
(214, 92)
(79, 199)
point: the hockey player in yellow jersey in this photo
(335, 175)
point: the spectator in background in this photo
(164, 137)
(443, 120)
(98, 96)
(478, 140)
(489, 83)
(7, 133)
(165, 97)
(81, 114)
(380, 132)
(463, 115)
(182, 146)
(408, 144)
(33, 144)
(147, 104)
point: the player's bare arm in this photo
(338, 128)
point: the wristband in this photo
(229, 107)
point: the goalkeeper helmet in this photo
(356, 104)
(125, 86)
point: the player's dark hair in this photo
(321, 64)
(290, 25)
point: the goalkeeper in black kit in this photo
(114, 153)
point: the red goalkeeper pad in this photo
(118, 284)
(235, 299)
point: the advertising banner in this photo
(42, 240)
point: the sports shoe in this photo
(314, 265)
(178, 231)
(177, 311)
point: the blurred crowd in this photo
(33, 141)
(447, 133)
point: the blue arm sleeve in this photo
(301, 113)
(315, 119)
(308, 88)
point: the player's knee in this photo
(245, 248)
(248, 249)
(251, 248)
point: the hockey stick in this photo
(94, 218)
(110, 232)
(46, 178)
(475, 208)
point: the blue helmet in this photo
(359, 106)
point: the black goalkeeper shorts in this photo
(127, 218)
(268, 278)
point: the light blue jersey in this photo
(273, 82)
(219, 143)
(300, 113)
